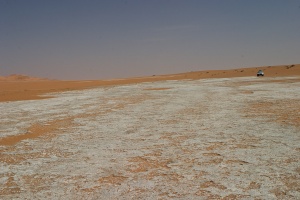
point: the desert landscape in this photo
(219, 134)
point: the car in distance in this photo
(260, 73)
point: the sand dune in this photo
(19, 77)
(20, 87)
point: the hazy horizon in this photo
(76, 39)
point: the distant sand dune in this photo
(19, 77)
(21, 87)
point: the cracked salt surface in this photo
(193, 140)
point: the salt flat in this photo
(226, 138)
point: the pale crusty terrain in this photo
(225, 138)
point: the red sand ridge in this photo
(19, 77)
(20, 87)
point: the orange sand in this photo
(19, 87)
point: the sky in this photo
(105, 39)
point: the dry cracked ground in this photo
(235, 138)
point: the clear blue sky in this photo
(101, 39)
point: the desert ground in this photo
(197, 135)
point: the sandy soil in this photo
(225, 138)
(20, 87)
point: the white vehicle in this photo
(260, 73)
